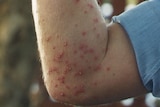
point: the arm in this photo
(81, 63)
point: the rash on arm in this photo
(72, 41)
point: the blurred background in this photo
(21, 83)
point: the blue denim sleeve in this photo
(142, 25)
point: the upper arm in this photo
(119, 77)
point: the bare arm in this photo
(81, 63)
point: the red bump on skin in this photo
(59, 56)
(53, 69)
(61, 79)
(90, 6)
(77, 1)
(84, 33)
(56, 85)
(54, 48)
(65, 44)
(85, 12)
(67, 87)
(95, 20)
(41, 21)
(80, 73)
(48, 39)
(114, 74)
(62, 94)
(108, 69)
(83, 47)
(79, 90)
(96, 58)
(98, 68)
(57, 36)
(91, 50)
(68, 68)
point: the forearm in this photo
(72, 41)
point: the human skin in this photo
(84, 61)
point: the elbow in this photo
(69, 99)
(78, 101)
(71, 94)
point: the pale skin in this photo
(84, 61)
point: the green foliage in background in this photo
(106, 1)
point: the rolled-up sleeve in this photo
(142, 25)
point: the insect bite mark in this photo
(57, 36)
(62, 94)
(108, 69)
(52, 70)
(90, 6)
(85, 12)
(56, 85)
(83, 47)
(98, 68)
(95, 20)
(48, 39)
(61, 79)
(67, 87)
(77, 1)
(59, 56)
(68, 68)
(114, 74)
(79, 90)
(95, 58)
(54, 48)
(84, 33)
(65, 44)
(80, 73)
(91, 50)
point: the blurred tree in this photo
(17, 52)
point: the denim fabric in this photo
(142, 25)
